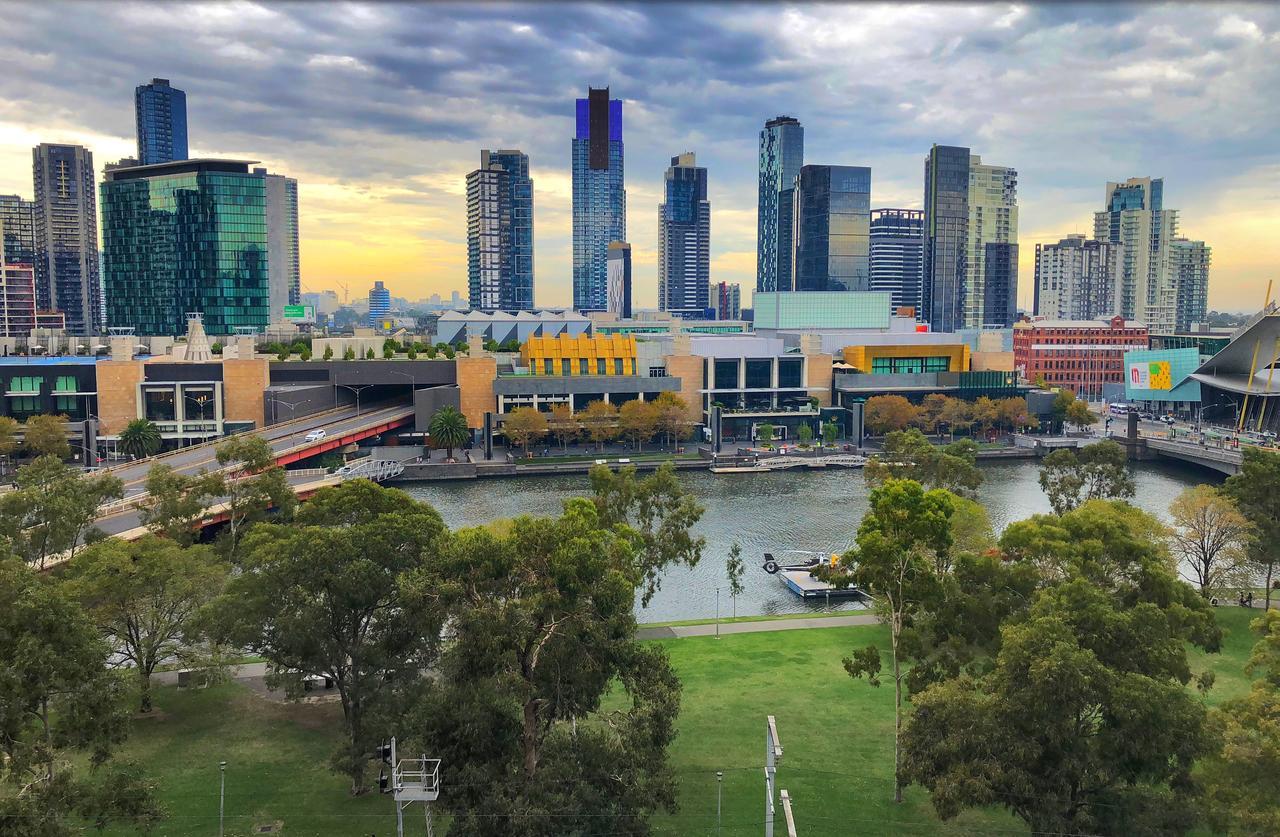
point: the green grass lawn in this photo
(837, 734)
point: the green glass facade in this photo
(188, 236)
(823, 309)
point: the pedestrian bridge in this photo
(1221, 459)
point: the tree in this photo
(637, 421)
(830, 433)
(931, 409)
(59, 704)
(1210, 536)
(8, 435)
(388, 353)
(140, 438)
(1256, 491)
(884, 413)
(523, 425)
(672, 416)
(368, 353)
(304, 355)
(1015, 415)
(177, 502)
(1084, 725)
(600, 421)
(985, 413)
(542, 622)
(1097, 471)
(804, 434)
(448, 429)
(563, 425)
(215, 348)
(908, 454)
(326, 595)
(144, 596)
(1079, 414)
(1242, 780)
(898, 547)
(957, 414)
(53, 510)
(255, 485)
(328, 353)
(412, 352)
(1061, 403)
(734, 568)
(349, 353)
(45, 435)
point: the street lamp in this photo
(357, 389)
(88, 453)
(222, 793)
(276, 403)
(199, 400)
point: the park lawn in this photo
(837, 734)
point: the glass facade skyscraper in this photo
(897, 255)
(946, 230)
(183, 237)
(160, 111)
(1134, 217)
(832, 217)
(65, 219)
(620, 279)
(781, 156)
(684, 240)
(284, 273)
(500, 232)
(599, 196)
(17, 230)
(379, 304)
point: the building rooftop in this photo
(178, 167)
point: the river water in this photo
(770, 512)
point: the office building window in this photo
(726, 374)
(790, 372)
(759, 373)
(25, 384)
(158, 404)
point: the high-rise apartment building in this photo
(284, 269)
(160, 111)
(684, 240)
(1134, 217)
(1189, 266)
(969, 206)
(66, 235)
(726, 299)
(1076, 279)
(17, 299)
(619, 301)
(897, 255)
(832, 218)
(379, 304)
(500, 232)
(188, 236)
(17, 230)
(599, 196)
(781, 157)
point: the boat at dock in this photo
(796, 567)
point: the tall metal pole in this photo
(719, 795)
(717, 613)
(1248, 390)
(222, 793)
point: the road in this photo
(281, 437)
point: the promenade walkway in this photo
(685, 631)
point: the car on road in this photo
(316, 435)
(1169, 420)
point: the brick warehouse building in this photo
(1082, 355)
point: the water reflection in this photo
(816, 510)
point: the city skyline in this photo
(381, 158)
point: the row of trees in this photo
(357, 586)
(42, 435)
(635, 421)
(888, 413)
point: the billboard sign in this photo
(1153, 375)
(300, 313)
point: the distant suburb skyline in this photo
(381, 110)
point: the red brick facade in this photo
(1081, 355)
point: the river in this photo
(772, 512)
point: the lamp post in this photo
(199, 400)
(719, 792)
(222, 793)
(276, 403)
(357, 389)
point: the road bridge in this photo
(1223, 460)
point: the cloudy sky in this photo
(380, 111)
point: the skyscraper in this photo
(284, 273)
(379, 304)
(1135, 218)
(1076, 279)
(969, 206)
(1189, 265)
(66, 235)
(684, 240)
(500, 232)
(161, 115)
(599, 196)
(832, 218)
(897, 255)
(189, 236)
(781, 156)
(726, 299)
(17, 230)
(619, 303)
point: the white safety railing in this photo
(371, 469)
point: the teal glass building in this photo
(185, 236)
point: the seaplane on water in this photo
(796, 567)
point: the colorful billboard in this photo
(300, 313)
(1156, 375)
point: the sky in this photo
(380, 110)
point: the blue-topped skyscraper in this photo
(500, 233)
(781, 156)
(379, 304)
(161, 113)
(832, 220)
(684, 240)
(599, 196)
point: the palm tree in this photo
(449, 429)
(140, 438)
